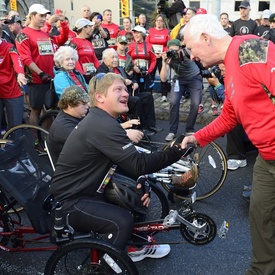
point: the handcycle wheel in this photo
(35, 134)
(200, 236)
(212, 166)
(47, 119)
(89, 257)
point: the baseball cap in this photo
(38, 8)
(201, 11)
(266, 14)
(173, 42)
(272, 17)
(72, 95)
(13, 19)
(122, 39)
(244, 4)
(138, 28)
(82, 22)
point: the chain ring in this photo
(201, 236)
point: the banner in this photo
(125, 12)
(13, 5)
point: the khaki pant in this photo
(262, 218)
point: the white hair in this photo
(106, 53)
(204, 23)
(59, 54)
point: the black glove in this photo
(45, 77)
(145, 185)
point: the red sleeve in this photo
(153, 61)
(96, 62)
(17, 64)
(47, 27)
(64, 34)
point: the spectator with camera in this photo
(271, 33)
(187, 78)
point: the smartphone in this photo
(99, 17)
(58, 11)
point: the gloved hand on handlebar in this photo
(143, 184)
(188, 149)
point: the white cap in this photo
(82, 22)
(266, 14)
(138, 28)
(38, 8)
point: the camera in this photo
(208, 73)
(161, 6)
(143, 71)
(172, 54)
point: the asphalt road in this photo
(230, 256)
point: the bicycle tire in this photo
(212, 166)
(74, 258)
(35, 134)
(159, 206)
(47, 119)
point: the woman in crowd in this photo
(127, 26)
(144, 59)
(65, 59)
(158, 37)
(87, 62)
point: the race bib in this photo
(45, 48)
(142, 63)
(98, 43)
(88, 67)
(158, 48)
(121, 63)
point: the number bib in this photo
(142, 63)
(88, 67)
(45, 48)
(121, 63)
(98, 43)
(158, 48)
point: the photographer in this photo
(186, 78)
(173, 13)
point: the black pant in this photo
(114, 223)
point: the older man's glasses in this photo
(98, 77)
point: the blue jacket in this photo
(62, 80)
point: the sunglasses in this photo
(98, 77)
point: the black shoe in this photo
(148, 133)
(154, 129)
(246, 195)
(247, 187)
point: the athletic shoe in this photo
(201, 109)
(189, 133)
(234, 164)
(154, 129)
(246, 195)
(163, 98)
(170, 137)
(247, 187)
(148, 251)
(214, 110)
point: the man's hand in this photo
(21, 79)
(45, 77)
(143, 184)
(134, 135)
(214, 81)
(189, 139)
(130, 123)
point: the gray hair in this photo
(59, 54)
(204, 23)
(106, 53)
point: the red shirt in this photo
(123, 33)
(158, 38)
(38, 47)
(246, 102)
(138, 53)
(113, 30)
(87, 60)
(9, 62)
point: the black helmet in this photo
(123, 192)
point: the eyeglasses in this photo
(98, 77)
(159, 20)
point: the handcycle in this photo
(26, 178)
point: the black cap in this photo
(244, 4)
(272, 17)
(13, 19)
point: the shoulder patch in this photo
(20, 37)
(253, 50)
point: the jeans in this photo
(14, 110)
(193, 86)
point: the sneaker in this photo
(234, 164)
(214, 110)
(189, 133)
(170, 137)
(149, 251)
(163, 98)
(201, 109)
(247, 187)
